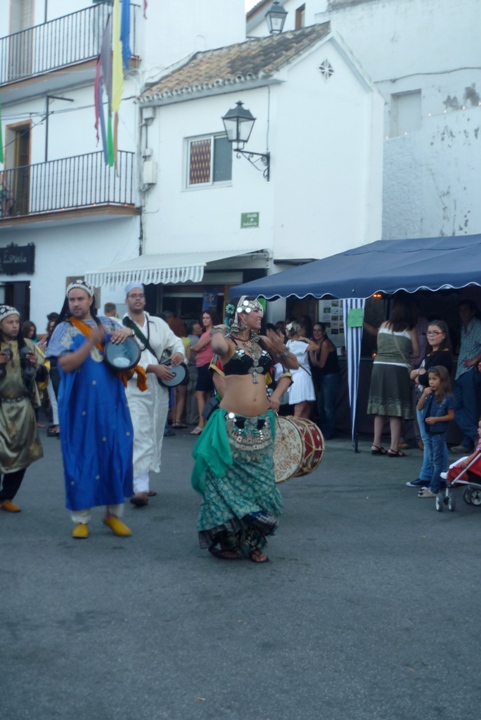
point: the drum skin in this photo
(122, 356)
(299, 447)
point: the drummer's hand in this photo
(273, 404)
(121, 335)
(4, 358)
(176, 359)
(32, 358)
(97, 335)
(163, 372)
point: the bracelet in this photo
(283, 355)
(218, 329)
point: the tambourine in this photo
(122, 356)
(180, 372)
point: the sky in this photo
(250, 3)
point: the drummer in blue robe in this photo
(97, 434)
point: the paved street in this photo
(368, 610)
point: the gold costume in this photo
(19, 442)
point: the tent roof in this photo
(383, 266)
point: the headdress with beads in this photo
(6, 310)
(245, 304)
(81, 285)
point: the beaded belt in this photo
(248, 433)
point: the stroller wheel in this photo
(451, 503)
(439, 502)
(467, 496)
(475, 497)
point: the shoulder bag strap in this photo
(128, 322)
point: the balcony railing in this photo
(70, 183)
(65, 41)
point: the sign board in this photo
(17, 259)
(249, 220)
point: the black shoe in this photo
(417, 483)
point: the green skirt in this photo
(234, 471)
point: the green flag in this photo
(1, 137)
(110, 142)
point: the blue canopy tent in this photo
(385, 266)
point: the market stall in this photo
(386, 267)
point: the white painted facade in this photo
(70, 247)
(325, 141)
(424, 57)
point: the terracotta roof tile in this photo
(251, 60)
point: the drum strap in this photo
(124, 376)
(128, 322)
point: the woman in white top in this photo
(301, 392)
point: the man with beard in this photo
(149, 409)
(19, 442)
(94, 416)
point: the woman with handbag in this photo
(390, 391)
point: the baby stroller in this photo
(468, 477)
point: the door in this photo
(18, 164)
(17, 294)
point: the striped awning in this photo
(163, 268)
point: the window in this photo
(209, 161)
(405, 112)
(300, 17)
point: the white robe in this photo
(149, 409)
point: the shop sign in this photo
(17, 259)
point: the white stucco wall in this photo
(64, 250)
(324, 194)
(431, 175)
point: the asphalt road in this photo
(368, 610)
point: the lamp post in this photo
(276, 17)
(238, 124)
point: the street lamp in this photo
(238, 124)
(276, 17)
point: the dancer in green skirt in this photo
(234, 469)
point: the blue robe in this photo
(95, 426)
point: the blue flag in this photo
(125, 33)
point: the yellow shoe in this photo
(80, 531)
(116, 525)
(9, 506)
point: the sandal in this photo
(196, 431)
(375, 450)
(179, 426)
(426, 493)
(51, 432)
(257, 556)
(225, 554)
(396, 453)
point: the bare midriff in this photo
(244, 397)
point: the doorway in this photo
(17, 294)
(18, 165)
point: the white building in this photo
(61, 207)
(319, 117)
(424, 57)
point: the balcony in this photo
(72, 41)
(71, 188)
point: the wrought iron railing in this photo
(67, 184)
(65, 41)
